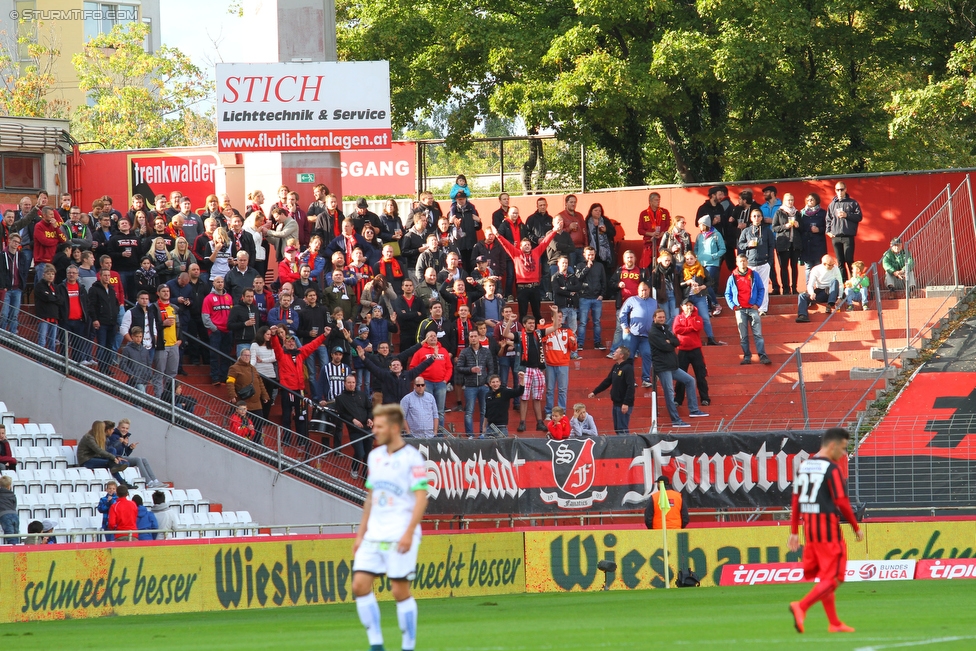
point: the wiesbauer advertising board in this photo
(318, 106)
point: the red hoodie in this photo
(441, 370)
(688, 330)
(47, 238)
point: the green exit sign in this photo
(306, 178)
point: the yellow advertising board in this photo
(230, 575)
(565, 560)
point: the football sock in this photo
(407, 617)
(830, 608)
(369, 615)
(817, 594)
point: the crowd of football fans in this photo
(160, 284)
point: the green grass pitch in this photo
(937, 615)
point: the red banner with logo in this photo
(946, 568)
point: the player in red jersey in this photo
(820, 499)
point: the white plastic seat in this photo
(55, 509)
(70, 481)
(36, 484)
(44, 505)
(178, 499)
(19, 478)
(25, 504)
(69, 452)
(229, 518)
(203, 520)
(88, 504)
(24, 521)
(102, 475)
(244, 517)
(53, 452)
(42, 459)
(15, 430)
(132, 476)
(74, 505)
(202, 505)
(52, 483)
(86, 479)
(32, 429)
(63, 529)
(185, 520)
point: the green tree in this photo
(672, 90)
(27, 81)
(137, 99)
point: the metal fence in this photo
(514, 164)
(184, 405)
(805, 392)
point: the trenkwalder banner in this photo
(605, 474)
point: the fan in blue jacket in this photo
(145, 520)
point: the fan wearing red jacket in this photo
(437, 374)
(291, 372)
(527, 268)
(289, 268)
(688, 327)
(820, 500)
(122, 514)
(652, 223)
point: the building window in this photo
(147, 44)
(101, 17)
(20, 172)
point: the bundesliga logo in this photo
(573, 469)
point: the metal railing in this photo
(212, 530)
(515, 164)
(803, 390)
(78, 357)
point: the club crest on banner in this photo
(573, 470)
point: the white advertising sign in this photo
(901, 570)
(317, 106)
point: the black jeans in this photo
(79, 343)
(844, 251)
(788, 264)
(292, 402)
(696, 360)
(530, 295)
(362, 445)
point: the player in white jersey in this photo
(389, 534)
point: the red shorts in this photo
(825, 560)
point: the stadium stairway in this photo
(49, 484)
(844, 343)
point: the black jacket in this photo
(659, 278)
(236, 282)
(409, 316)
(235, 322)
(536, 227)
(48, 302)
(787, 239)
(664, 348)
(103, 305)
(620, 380)
(63, 300)
(119, 244)
(468, 225)
(312, 317)
(394, 387)
(566, 290)
(353, 405)
(593, 281)
(23, 266)
(498, 403)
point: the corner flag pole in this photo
(664, 506)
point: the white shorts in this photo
(379, 558)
